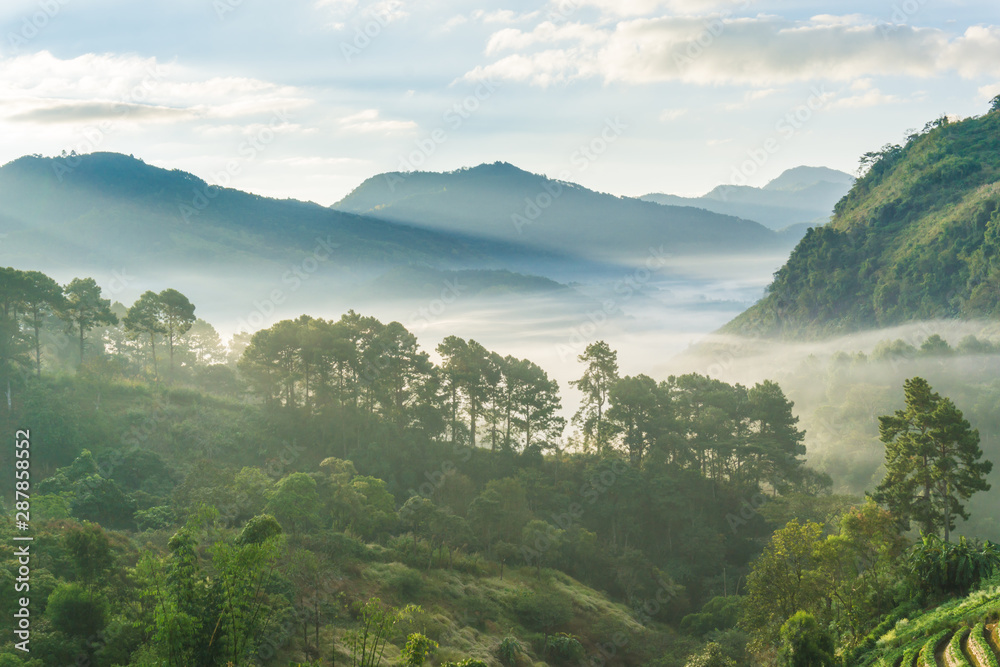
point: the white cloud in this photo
(502, 16)
(759, 51)
(512, 39)
(345, 12)
(990, 91)
(647, 7)
(43, 88)
(369, 121)
(668, 115)
(454, 22)
(752, 96)
(870, 98)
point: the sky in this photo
(307, 98)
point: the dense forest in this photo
(326, 490)
(916, 238)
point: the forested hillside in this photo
(915, 238)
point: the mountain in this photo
(96, 211)
(501, 202)
(916, 238)
(798, 195)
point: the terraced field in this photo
(965, 647)
(960, 633)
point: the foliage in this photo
(805, 644)
(417, 648)
(952, 569)
(508, 651)
(376, 622)
(932, 460)
(914, 239)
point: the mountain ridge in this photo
(916, 238)
(500, 201)
(798, 195)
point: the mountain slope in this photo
(917, 237)
(798, 195)
(93, 211)
(501, 202)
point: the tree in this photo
(375, 622)
(144, 319)
(417, 648)
(84, 309)
(784, 580)
(295, 502)
(805, 644)
(42, 296)
(932, 461)
(596, 383)
(75, 611)
(91, 551)
(713, 655)
(995, 104)
(634, 411)
(244, 576)
(176, 316)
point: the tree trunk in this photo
(38, 350)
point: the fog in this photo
(660, 317)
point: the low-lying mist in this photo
(841, 386)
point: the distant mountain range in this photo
(916, 238)
(503, 203)
(500, 230)
(797, 196)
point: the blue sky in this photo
(307, 98)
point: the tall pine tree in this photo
(932, 461)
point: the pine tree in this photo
(932, 461)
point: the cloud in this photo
(369, 121)
(502, 16)
(512, 39)
(668, 115)
(990, 91)
(647, 7)
(342, 11)
(870, 98)
(758, 51)
(82, 112)
(43, 88)
(752, 96)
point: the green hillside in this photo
(917, 237)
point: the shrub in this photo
(543, 611)
(564, 648)
(508, 651)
